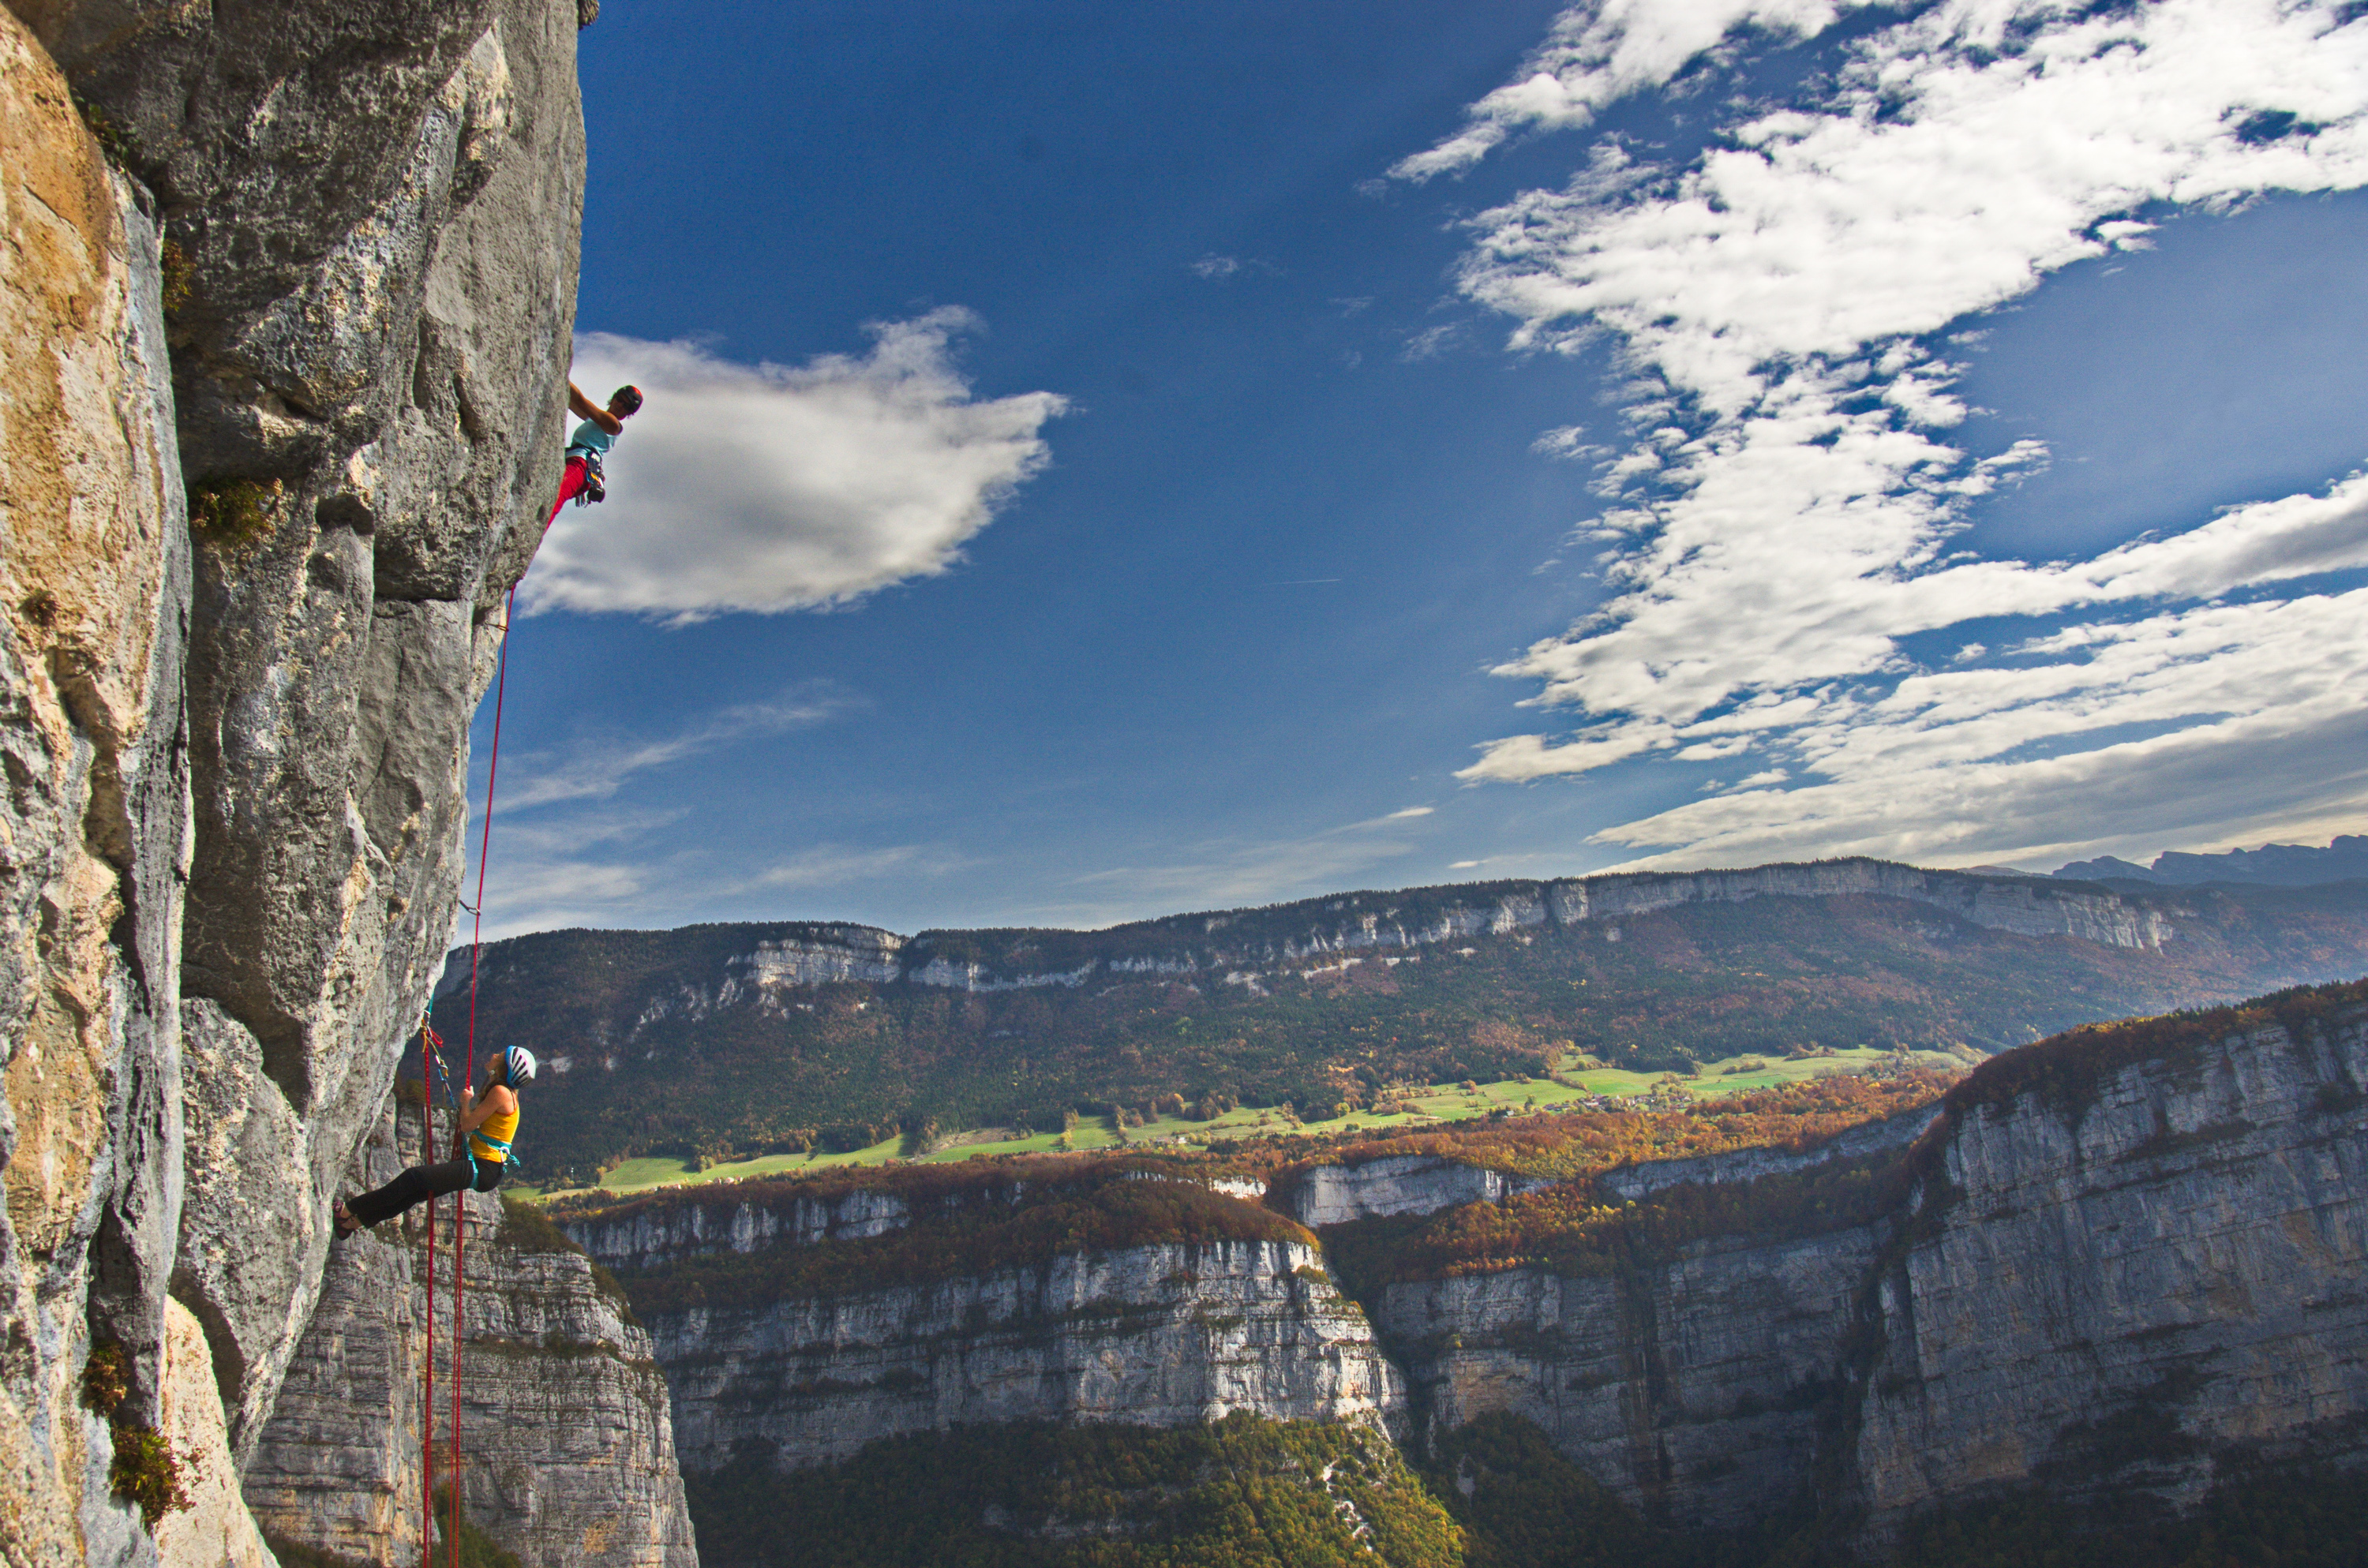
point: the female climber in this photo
(490, 1121)
(591, 443)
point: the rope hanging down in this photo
(460, 1151)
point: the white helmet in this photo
(518, 1064)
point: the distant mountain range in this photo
(758, 1038)
(2273, 865)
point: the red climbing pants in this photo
(568, 485)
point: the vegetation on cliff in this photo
(662, 1042)
(1792, 1116)
(1246, 1493)
(2068, 1070)
(1243, 1493)
(1575, 1231)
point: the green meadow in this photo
(1435, 1104)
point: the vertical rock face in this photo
(94, 606)
(685, 1230)
(337, 1465)
(1402, 1184)
(568, 1455)
(2114, 1279)
(2124, 1288)
(1692, 1388)
(235, 752)
(1157, 1336)
(373, 208)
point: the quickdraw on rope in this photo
(460, 1151)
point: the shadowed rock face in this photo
(2130, 1290)
(2126, 1291)
(567, 1447)
(2137, 1271)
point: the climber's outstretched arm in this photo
(584, 408)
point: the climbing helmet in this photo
(518, 1064)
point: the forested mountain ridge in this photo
(751, 1038)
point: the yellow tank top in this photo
(497, 1130)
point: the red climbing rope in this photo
(430, 1069)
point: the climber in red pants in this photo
(582, 480)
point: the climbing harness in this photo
(431, 1046)
(596, 485)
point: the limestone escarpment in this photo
(2133, 1278)
(659, 1234)
(1154, 1336)
(1252, 940)
(2126, 1262)
(1694, 1387)
(1399, 1184)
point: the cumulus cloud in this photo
(1790, 488)
(771, 487)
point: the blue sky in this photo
(1110, 461)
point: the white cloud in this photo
(1216, 266)
(1791, 492)
(770, 487)
(1598, 54)
(1410, 812)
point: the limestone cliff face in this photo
(1158, 1336)
(2124, 1285)
(665, 1234)
(321, 279)
(94, 613)
(2130, 1288)
(1401, 1184)
(1694, 1388)
(569, 1457)
(1239, 947)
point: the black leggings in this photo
(421, 1183)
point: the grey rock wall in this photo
(2129, 1293)
(378, 206)
(1401, 1184)
(237, 759)
(2135, 1292)
(567, 1447)
(1158, 1336)
(1694, 1388)
(94, 612)
(667, 1233)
